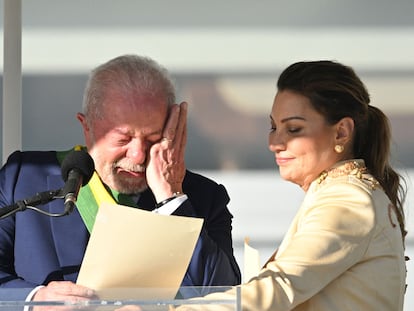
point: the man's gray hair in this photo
(128, 74)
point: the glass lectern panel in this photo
(126, 299)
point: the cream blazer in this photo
(343, 251)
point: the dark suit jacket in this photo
(36, 249)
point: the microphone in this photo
(21, 205)
(77, 170)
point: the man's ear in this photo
(82, 119)
(344, 130)
(87, 135)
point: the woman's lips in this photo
(283, 160)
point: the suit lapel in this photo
(69, 233)
(146, 201)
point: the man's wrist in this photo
(30, 297)
(175, 195)
(170, 207)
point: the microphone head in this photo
(81, 161)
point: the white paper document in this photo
(251, 261)
(136, 254)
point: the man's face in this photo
(119, 142)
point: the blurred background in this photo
(225, 58)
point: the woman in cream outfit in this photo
(345, 247)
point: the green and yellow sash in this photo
(93, 194)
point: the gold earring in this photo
(339, 148)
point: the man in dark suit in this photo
(136, 135)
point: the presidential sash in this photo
(90, 196)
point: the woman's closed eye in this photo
(294, 130)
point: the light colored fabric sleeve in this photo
(329, 234)
(332, 234)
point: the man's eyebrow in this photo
(125, 131)
(121, 130)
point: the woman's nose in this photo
(276, 142)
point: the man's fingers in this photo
(167, 140)
(182, 122)
(183, 134)
(171, 125)
(63, 289)
(72, 289)
(176, 123)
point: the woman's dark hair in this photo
(335, 91)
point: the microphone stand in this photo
(30, 203)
